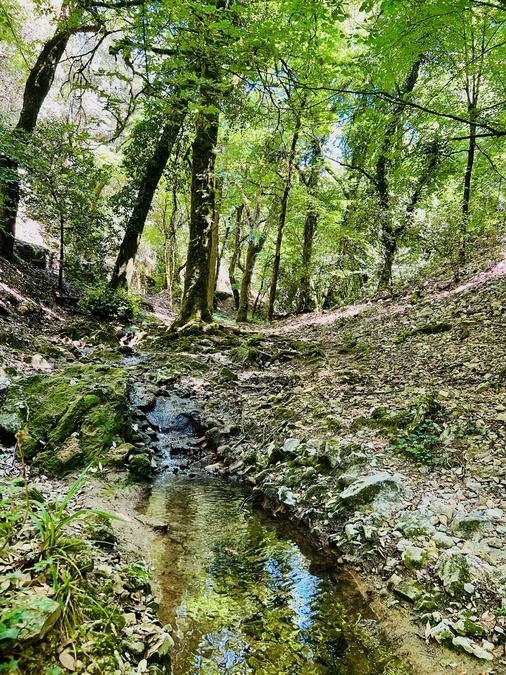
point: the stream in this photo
(245, 592)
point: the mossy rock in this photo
(71, 418)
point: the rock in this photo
(143, 396)
(10, 424)
(37, 616)
(453, 570)
(381, 488)
(118, 455)
(414, 557)
(141, 465)
(227, 375)
(467, 627)
(472, 648)
(286, 496)
(468, 525)
(442, 632)
(443, 540)
(70, 454)
(414, 523)
(38, 362)
(87, 400)
(32, 253)
(290, 446)
(408, 590)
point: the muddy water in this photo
(246, 594)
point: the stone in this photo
(408, 590)
(468, 525)
(38, 362)
(414, 523)
(453, 570)
(141, 465)
(442, 632)
(414, 557)
(443, 540)
(143, 396)
(37, 616)
(70, 453)
(290, 446)
(380, 488)
(472, 648)
(118, 455)
(467, 627)
(286, 496)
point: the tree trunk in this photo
(149, 182)
(195, 303)
(388, 233)
(37, 86)
(235, 256)
(310, 223)
(62, 255)
(213, 253)
(252, 252)
(282, 220)
(468, 176)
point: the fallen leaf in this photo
(67, 661)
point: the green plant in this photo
(419, 432)
(51, 519)
(104, 303)
(12, 512)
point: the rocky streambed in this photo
(224, 404)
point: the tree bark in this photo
(149, 182)
(213, 253)
(62, 254)
(282, 219)
(388, 233)
(468, 176)
(37, 87)
(195, 304)
(310, 223)
(254, 248)
(235, 255)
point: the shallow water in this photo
(247, 594)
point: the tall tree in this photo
(290, 165)
(71, 20)
(147, 184)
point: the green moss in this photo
(425, 329)
(90, 402)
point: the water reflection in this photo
(242, 594)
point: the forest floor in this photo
(381, 427)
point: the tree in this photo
(160, 144)
(64, 191)
(38, 84)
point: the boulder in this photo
(86, 403)
(141, 466)
(31, 253)
(382, 489)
